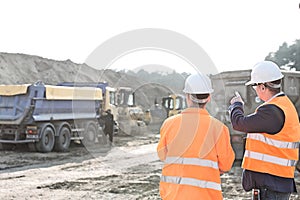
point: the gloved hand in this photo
(237, 98)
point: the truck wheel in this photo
(62, 142)
(89, 135)
(46, 142)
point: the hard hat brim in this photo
(252, 82)
(249, 83)
(198, 92)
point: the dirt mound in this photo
(22, 68)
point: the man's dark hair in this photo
(200, 96)
(272, 89)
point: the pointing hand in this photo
(237, 98)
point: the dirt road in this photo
(130, 170)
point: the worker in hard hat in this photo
(271, 150)
(195, 147)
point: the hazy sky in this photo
(235, 34)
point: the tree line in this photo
(287, 56)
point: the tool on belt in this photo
(255, 194)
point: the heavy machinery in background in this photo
(174, 104)
(48, 117)
(168, 106)
(226, 83)
(129, 118)
(109, 95)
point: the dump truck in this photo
(48, 117)
(226, 83)
(109, 95)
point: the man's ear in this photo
(209, 98)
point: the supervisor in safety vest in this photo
(278, 153)
(271, 151)
(194, 147)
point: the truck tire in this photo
(63, 140)
(90, 133)
(46, 142)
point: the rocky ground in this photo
(129, 170)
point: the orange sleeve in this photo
(162, 144)
(225, 152)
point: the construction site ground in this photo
(128, 170)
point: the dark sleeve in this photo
(268, 119)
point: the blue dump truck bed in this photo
(45, 102)
(14, 103)
(39, 106)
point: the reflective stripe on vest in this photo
(191, 182)
(273, 142)
(270, 159)
(192, 161)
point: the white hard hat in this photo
(198, 84)
(265, 71)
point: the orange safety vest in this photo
(275, 154)
(195, 147)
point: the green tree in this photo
(287, 55)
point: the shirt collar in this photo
(276, 95)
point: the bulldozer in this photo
(174, 104)
(130, 117)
